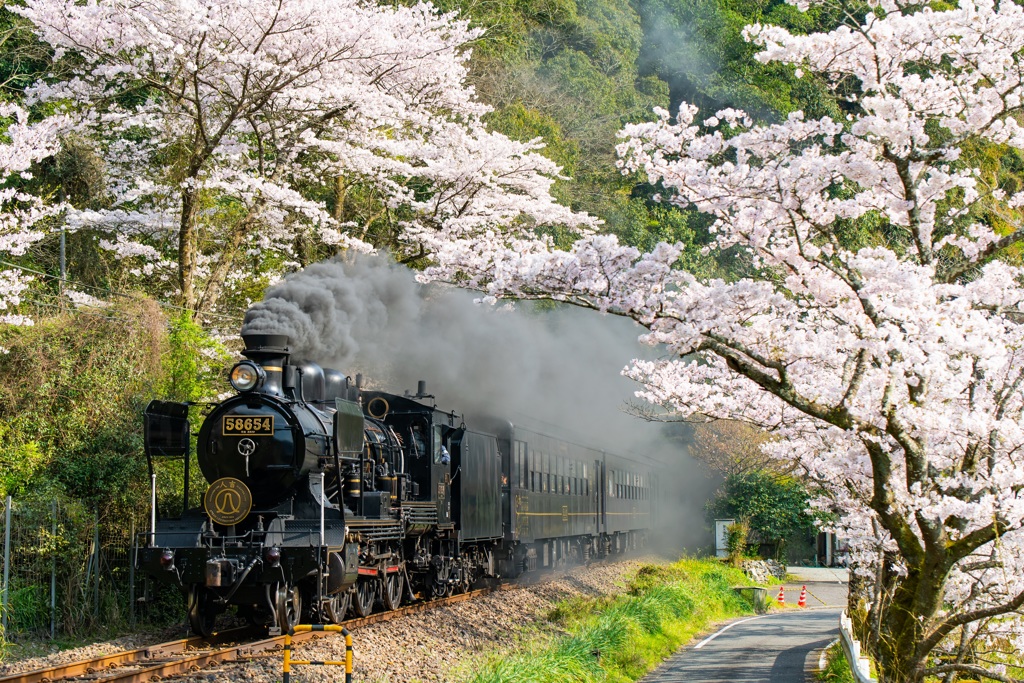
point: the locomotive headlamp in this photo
(246, 376)
(272, 556)
(167, 558)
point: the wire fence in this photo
(66, 570)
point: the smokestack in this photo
(271, 351)
(265, 347)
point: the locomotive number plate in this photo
(238, 425)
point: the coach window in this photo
(524, 463)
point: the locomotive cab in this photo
(427, 436)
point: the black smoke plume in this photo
(553, 368)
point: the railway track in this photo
(178, 657)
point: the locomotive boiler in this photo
(324, 498)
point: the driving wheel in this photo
(394, 583)
(336, 607)
(289, 607)
(202, 612)
(366, 593)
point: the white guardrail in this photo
(851, 647)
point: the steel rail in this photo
(151, 666)
(97, 664)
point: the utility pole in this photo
(63, 265)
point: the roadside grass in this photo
(837, 669)
(617, 639)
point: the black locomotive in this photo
(325, 498)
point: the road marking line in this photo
(726, 628)
(762, 616)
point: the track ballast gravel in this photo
(418, 648)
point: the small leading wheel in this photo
(336, 606)
(202, 612)
(394, 584)
(366, 593)
(289, 607)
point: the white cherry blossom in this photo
(892, 372)
(224, 124)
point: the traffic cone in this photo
(782, 596)
(803, 597)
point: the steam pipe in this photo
(323, 495)
(239, 582)
(152, 511)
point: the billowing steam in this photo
(553, 368)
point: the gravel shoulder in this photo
(432, 646)
(17, 664)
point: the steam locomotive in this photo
(325, 498)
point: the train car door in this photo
(602, 495)
(441, 471)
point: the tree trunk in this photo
(187, 250)
(227, 259)
(916, 598)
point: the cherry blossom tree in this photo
(22, 215)
(225, 126)
(891, 370)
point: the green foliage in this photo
(23, 59)
(736, 541)
(193, 363)
(775, 507)
(620, 638)
(71, 391)
(837, 669)
(697, 47)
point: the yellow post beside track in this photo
(289, 662)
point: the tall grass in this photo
(620, 638)
(837, 669)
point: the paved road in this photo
(773, 648)
(768, 649)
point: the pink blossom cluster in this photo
(892, 373)
(22, 215)
(261, 107)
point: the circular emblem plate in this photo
(227, 501)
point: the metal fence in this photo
(66, 570)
